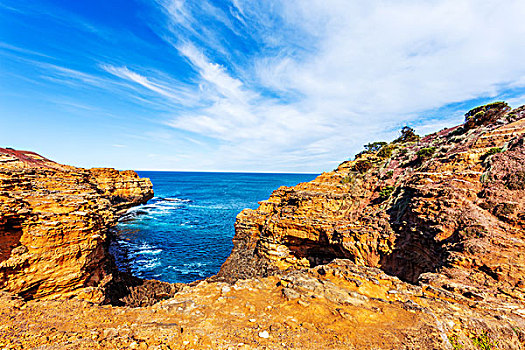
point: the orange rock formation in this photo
(54, 222)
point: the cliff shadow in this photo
(10, 234)
(125, 289)
(317, 252)
(415, 249)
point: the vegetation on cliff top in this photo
(481, 115)
(486, 114)
(408, 134)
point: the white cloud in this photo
(10, 47)
(178, 93)
(327, 76)
(214, 74)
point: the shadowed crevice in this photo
(10, 234)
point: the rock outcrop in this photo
(54, 222)
(444, 213)
(410, 208)
(124, 189)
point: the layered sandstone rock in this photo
(54, 222)
(413, 207)
(124, 189)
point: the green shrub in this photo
(473, 232)
(363, 165)
(456, 345)
(359, 155)
(385, 151)
(480, 111)
(482, 341)
(389, 174)
(456, 132)
(375, 146)
(516, 181)
(425, 153)
(386, 192)
(492, 151)
(371, 148)
(347, 179)
(407, 135)
(485, 115)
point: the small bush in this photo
(456, 345)
(385, 151)
(371, 148)
(484, 115)
(426, 153)
(492, 151)
(456, 132)
(503, 210)
(347, 179)
(407, 135)
(481, 110)
(473, 232)
(516, 181)
(374, 146)
(482, 341)
(386, 192)
(363, 165)
(389, 174)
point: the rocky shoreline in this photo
(415, 244)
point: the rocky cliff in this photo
(412, 208)
(54, 222)
(445, 213)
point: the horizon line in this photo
(226, 171)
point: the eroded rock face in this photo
(448, 209)
(443, 214)
(54, 222)
(124, 189)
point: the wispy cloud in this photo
(363, 70)
(291, 85)
(177, 93)
(17, 49)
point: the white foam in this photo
(177, 200)
(191, 268)
(143, 265)
(158, 206)
(151, 251)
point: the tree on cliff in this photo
(408, 134)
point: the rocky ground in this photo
(416, 244)
(335, 306)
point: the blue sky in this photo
(243, 85)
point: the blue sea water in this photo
(185, 232)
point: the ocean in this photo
(185, 232)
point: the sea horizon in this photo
(225, 171)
